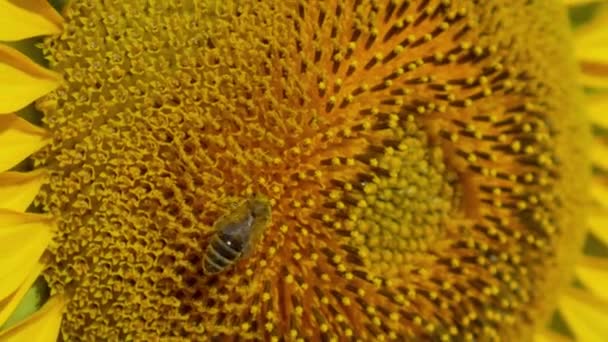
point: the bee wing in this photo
(237, 234)
(260, 210)
(242, 228)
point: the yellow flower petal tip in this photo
(8, 306)
(22, 19)
(18, 189)
(21, 80)
(43, 326)
(585, 315)
(23, 239)
(18, 139)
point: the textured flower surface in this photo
(426, 164)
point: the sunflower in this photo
(427, 166)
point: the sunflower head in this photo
(424, 164)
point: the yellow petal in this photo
(594, 75)
(597, 219)
(23, 239)
(21, 80)
(28, 18)
(593, 273)
(549, 336)
(43, 326)
(598, 223)
(592, 49)
(592, 56)
(586, 315)
(599, 192)
(599, 154)
(6, 309)
(597, 107)
(593, 79)
(579, 2)
(18, 189)
(591, 39)
(18, 139)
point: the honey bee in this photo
(236, 234)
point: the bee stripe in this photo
(223, 249)
(210, 267)
(217, 258)
(219, 255)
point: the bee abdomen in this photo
(219, 255)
